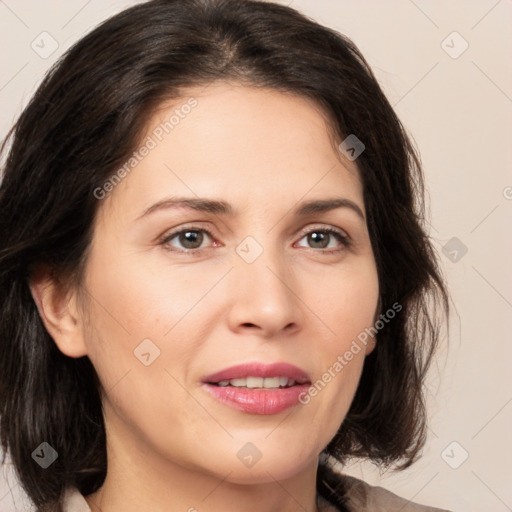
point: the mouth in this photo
(258, 388)
(253, 382)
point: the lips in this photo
(258, 388)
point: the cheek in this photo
(347, 301)
(132, 298)
(140, 367)
(347, 307)
(141, 320)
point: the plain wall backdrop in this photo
(446, 68)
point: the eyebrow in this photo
(223, 208)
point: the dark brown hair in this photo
(83, 122)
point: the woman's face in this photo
(255, 282)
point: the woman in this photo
(215, 279)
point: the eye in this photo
(190, 239)
(321, 238)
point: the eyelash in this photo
(345, 241)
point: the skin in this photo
(171, 445)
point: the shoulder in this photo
(343, 493)
(74, 501)
(360, 494)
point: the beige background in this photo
(459, 111)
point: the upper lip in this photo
(256, 369)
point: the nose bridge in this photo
(264, 285)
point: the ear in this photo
(58, 311)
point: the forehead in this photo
(227, 139)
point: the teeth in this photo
(254, 382)
(272, 382)
(258, 382)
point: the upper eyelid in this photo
(321, 227)
(306, 229)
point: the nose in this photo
(265, 301)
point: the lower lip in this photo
(258, 401)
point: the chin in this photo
(271, 465)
